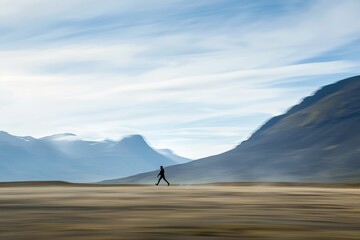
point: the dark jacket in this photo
(162, 173)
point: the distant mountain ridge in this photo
(170, 154)
(317, 140)
(65, 157)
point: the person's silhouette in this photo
(162, 176)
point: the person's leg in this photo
(166, 181)
(158, 181)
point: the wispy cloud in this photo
(180, 73)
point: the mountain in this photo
(170, 154)
(66, 157)
(317, 140)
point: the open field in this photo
(61, 211)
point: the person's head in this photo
(161, 167)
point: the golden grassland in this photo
(222, 211)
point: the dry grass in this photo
(179, 212)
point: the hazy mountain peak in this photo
(61, 136)
(73, 159)
(64, 134)
(165, 151)
(3, 133)
(136, 139)
(5, 136)
(170, 154)
(134, 136)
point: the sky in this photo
(197, 77)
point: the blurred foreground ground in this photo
(179, 212)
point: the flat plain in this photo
(221, 211)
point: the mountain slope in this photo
(317, 140)
(170, 154)
(65, 157)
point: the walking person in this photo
(162, 176)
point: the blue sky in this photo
(197, 77)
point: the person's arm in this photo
(159, 174)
